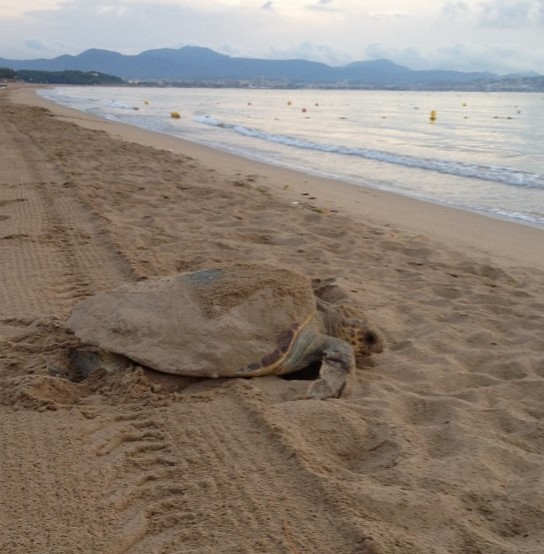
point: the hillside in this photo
(192, 63)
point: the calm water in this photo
(484, 151)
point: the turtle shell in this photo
(236, 320)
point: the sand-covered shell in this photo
(204, 323)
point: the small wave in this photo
(111, 117)
(209, 120)
(534, 220)
(495, 174)
(118, 105)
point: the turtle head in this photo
(364, 340)
(342, 321)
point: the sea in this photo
(478, 151)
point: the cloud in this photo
(387, 14)
(511, 13)
(112, 9)
(16, 9)
(453, 10)
(323, 6)
(36, 44)
(268, 6)
(500, 59)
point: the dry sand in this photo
(438, 447)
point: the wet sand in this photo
(437, 447)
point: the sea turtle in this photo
(243, 320)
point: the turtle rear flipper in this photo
(87, 360)
(337, 363)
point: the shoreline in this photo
(513, 201)
(502, 241)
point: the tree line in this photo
(67, 77)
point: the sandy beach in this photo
(437, 446)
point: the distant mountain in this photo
(197, 64)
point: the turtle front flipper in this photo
(336, 364)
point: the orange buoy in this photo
(175, 115)
(432, 117)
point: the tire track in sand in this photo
(45, 495)
(49, 237)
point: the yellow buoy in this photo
(175, 115)
(432, 117)
(146, 102)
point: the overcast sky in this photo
(495, 35)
